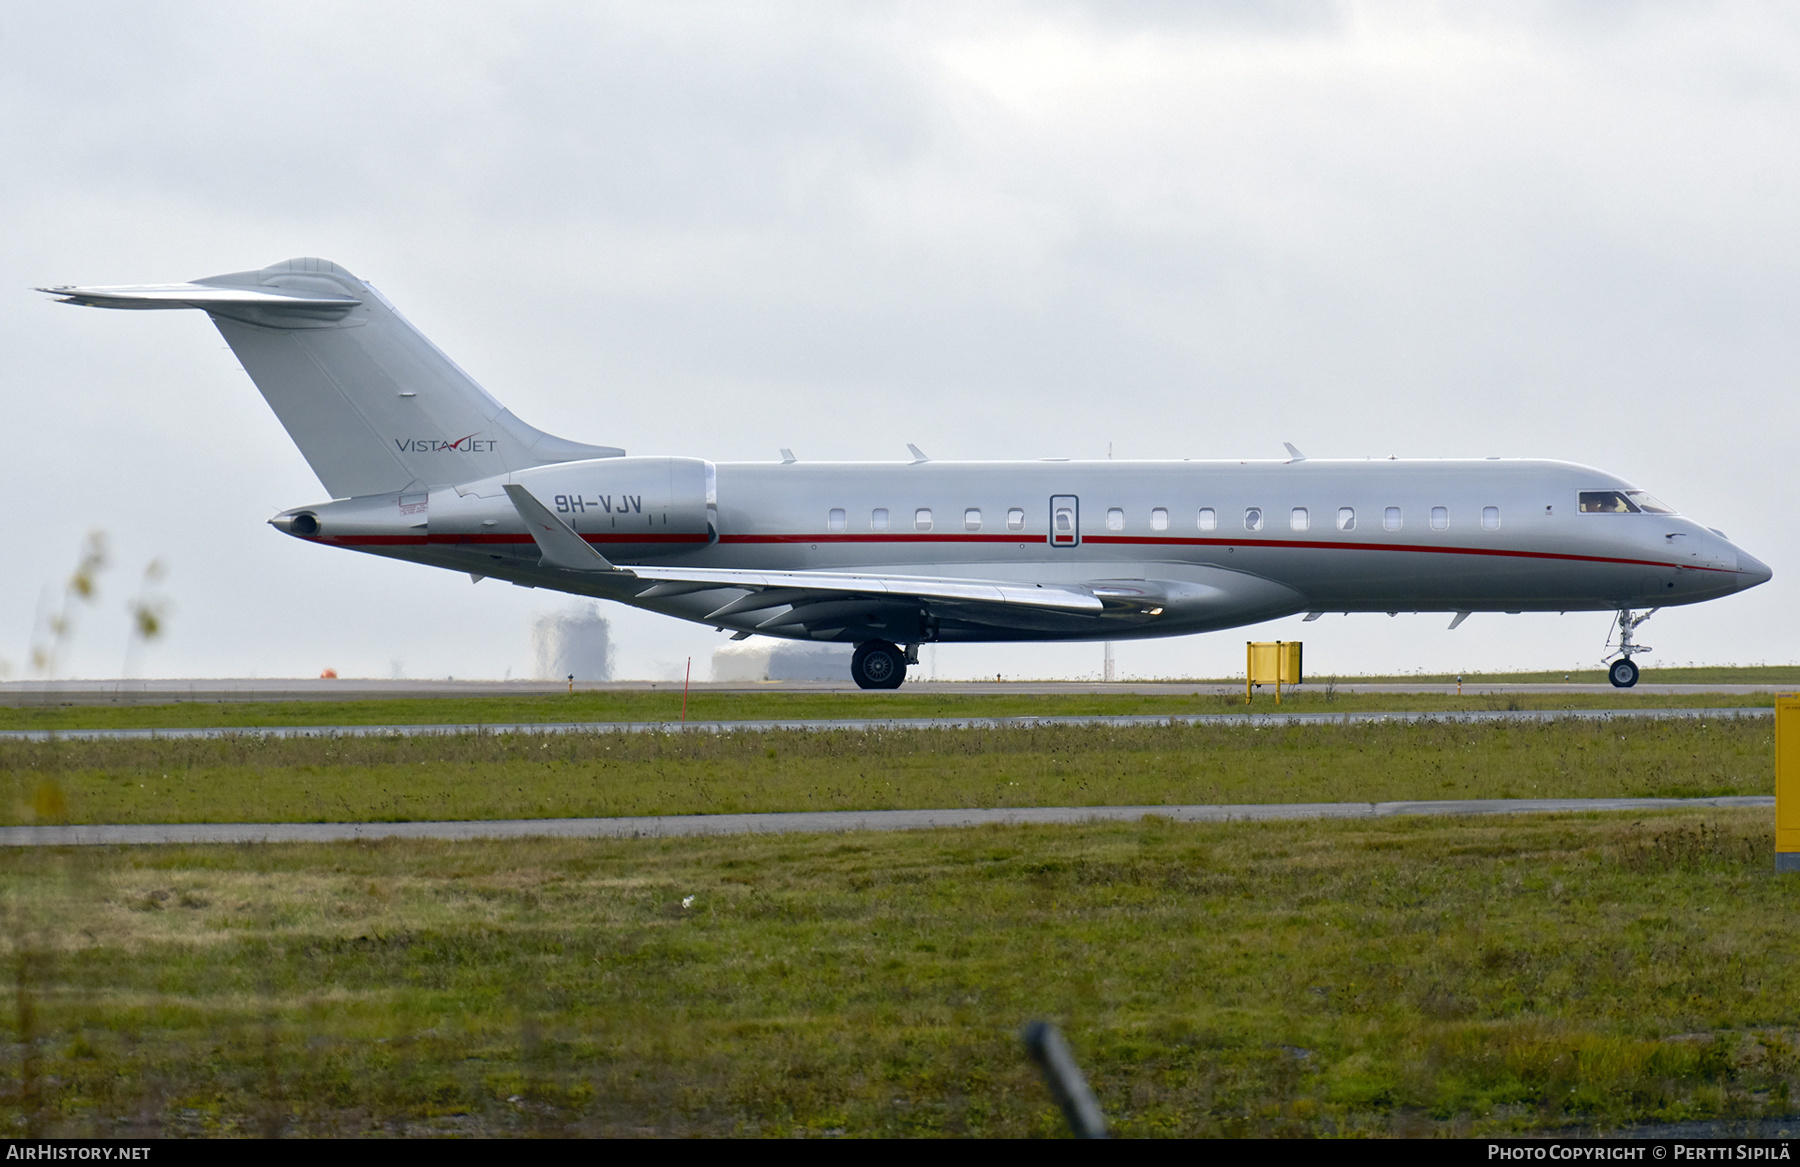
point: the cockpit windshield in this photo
(1621, 502)
(1606, 502)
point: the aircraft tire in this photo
(876, 664)
(1623, 674)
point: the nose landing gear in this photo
(1623, 673)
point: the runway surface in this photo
(823, 822)
(1260, 720)
(158, 692)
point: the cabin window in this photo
(1440, 518)
(1115, 519)
(1647, 504)
(1390, 518)
(878, 519)
(1159, 519)
(1015, 519)
(1346, 518)
(1298, 519)
(1490, 518)
(1209, 519)
(1606, 502)
(922, 518)
(835, 520)
(972, 519)
(1252, 518)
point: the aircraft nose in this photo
(1752, 571)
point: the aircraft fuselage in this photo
(1215, 544)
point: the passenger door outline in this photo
(1065, 520)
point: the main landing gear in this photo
(876, 664)
(1623, 673)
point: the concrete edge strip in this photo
(824, 822)
(1258, 720)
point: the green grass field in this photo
(1539, 974)
(665, 706)
(469, 776)
(1464, 977)
(1653, 674)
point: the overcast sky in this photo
(997, 231)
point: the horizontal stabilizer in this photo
(374, 406)
(226, 301)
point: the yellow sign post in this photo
(1271, 662)
(1787, 783)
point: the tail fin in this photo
(372, 404)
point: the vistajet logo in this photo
(469, 444)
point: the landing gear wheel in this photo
(876, 664)
(1623, 674)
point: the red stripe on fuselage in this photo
(1419, 548)
(901, 537)
(486, 540)
(959, 538)
(648, 538)
(1176, 541)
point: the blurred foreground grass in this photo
(483, 776)
(1462, 976)
(664, 706)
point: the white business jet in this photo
(423, 465)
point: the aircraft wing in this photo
(804, 600)
(769, 588)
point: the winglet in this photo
(1294, 455)
(556, 540)
(918, 454)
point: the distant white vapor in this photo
(760, 659)
(575, 643)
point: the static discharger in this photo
(1787, 782)
(1270, 662)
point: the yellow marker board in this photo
(1787, 783)
(1271, 662)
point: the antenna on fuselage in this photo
(787, 457)
(918, 454)
(1294, 455)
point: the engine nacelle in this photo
(627, 508)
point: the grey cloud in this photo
(997, 230)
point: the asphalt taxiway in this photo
(158, 692)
